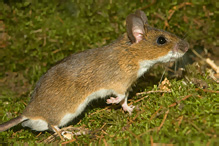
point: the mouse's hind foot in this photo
(62, 134)
(69, 132)
(127, 108)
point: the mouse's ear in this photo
(135, 25)
(142, 15)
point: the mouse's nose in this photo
(183, 46)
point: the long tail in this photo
(11, 123)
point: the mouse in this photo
(63, 92)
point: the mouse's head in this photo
(151, 43)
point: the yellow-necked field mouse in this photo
(64, 91)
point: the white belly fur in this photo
(38, 125)
(41, 125)
(70, 116)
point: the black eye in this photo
(161, 40)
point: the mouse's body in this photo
(69, 86)
(66, 89)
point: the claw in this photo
(127, 108)
(123, 101)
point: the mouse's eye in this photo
(161, 40)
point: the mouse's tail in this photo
(11, 123)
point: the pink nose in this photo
(183, 46)
(186, 49)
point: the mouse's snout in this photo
(182, 46)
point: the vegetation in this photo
(34, 36)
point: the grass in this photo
(36, 35)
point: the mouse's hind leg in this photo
(61, 133)
(57, 131)
(64, 134)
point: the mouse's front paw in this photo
(128, 108)
(113, 100)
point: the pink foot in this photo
(113, 100)
(122, 99)
(128, 108)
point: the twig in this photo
(105, 143)
(58, 133)
(60, 20)
(50, 138)
(103, 126)
(196, 127)
(174, 104)
(130, 142)
(184, 98)
(100, 138)
(199, 96)
(153, 129)
(145, 7)
(137, 115)
(55, 51)
(152, 141)
(39, 134)
(104, 131)
(138, 100)
(69, 141)
(209, 142)
(179, 122)
(208, 61)
(79, 122)
(207, 90)
(24, 102)
(159, 16)
(198, 55)
(171, 105)
(212, 64)
(156, 113)
(44, 39)
(211, 74)
(134, 135)
(175, 8)
(164, 118)
(132, 120)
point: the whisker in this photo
(164, 71)
(183, 61)
(175, 66)
(162, 76)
